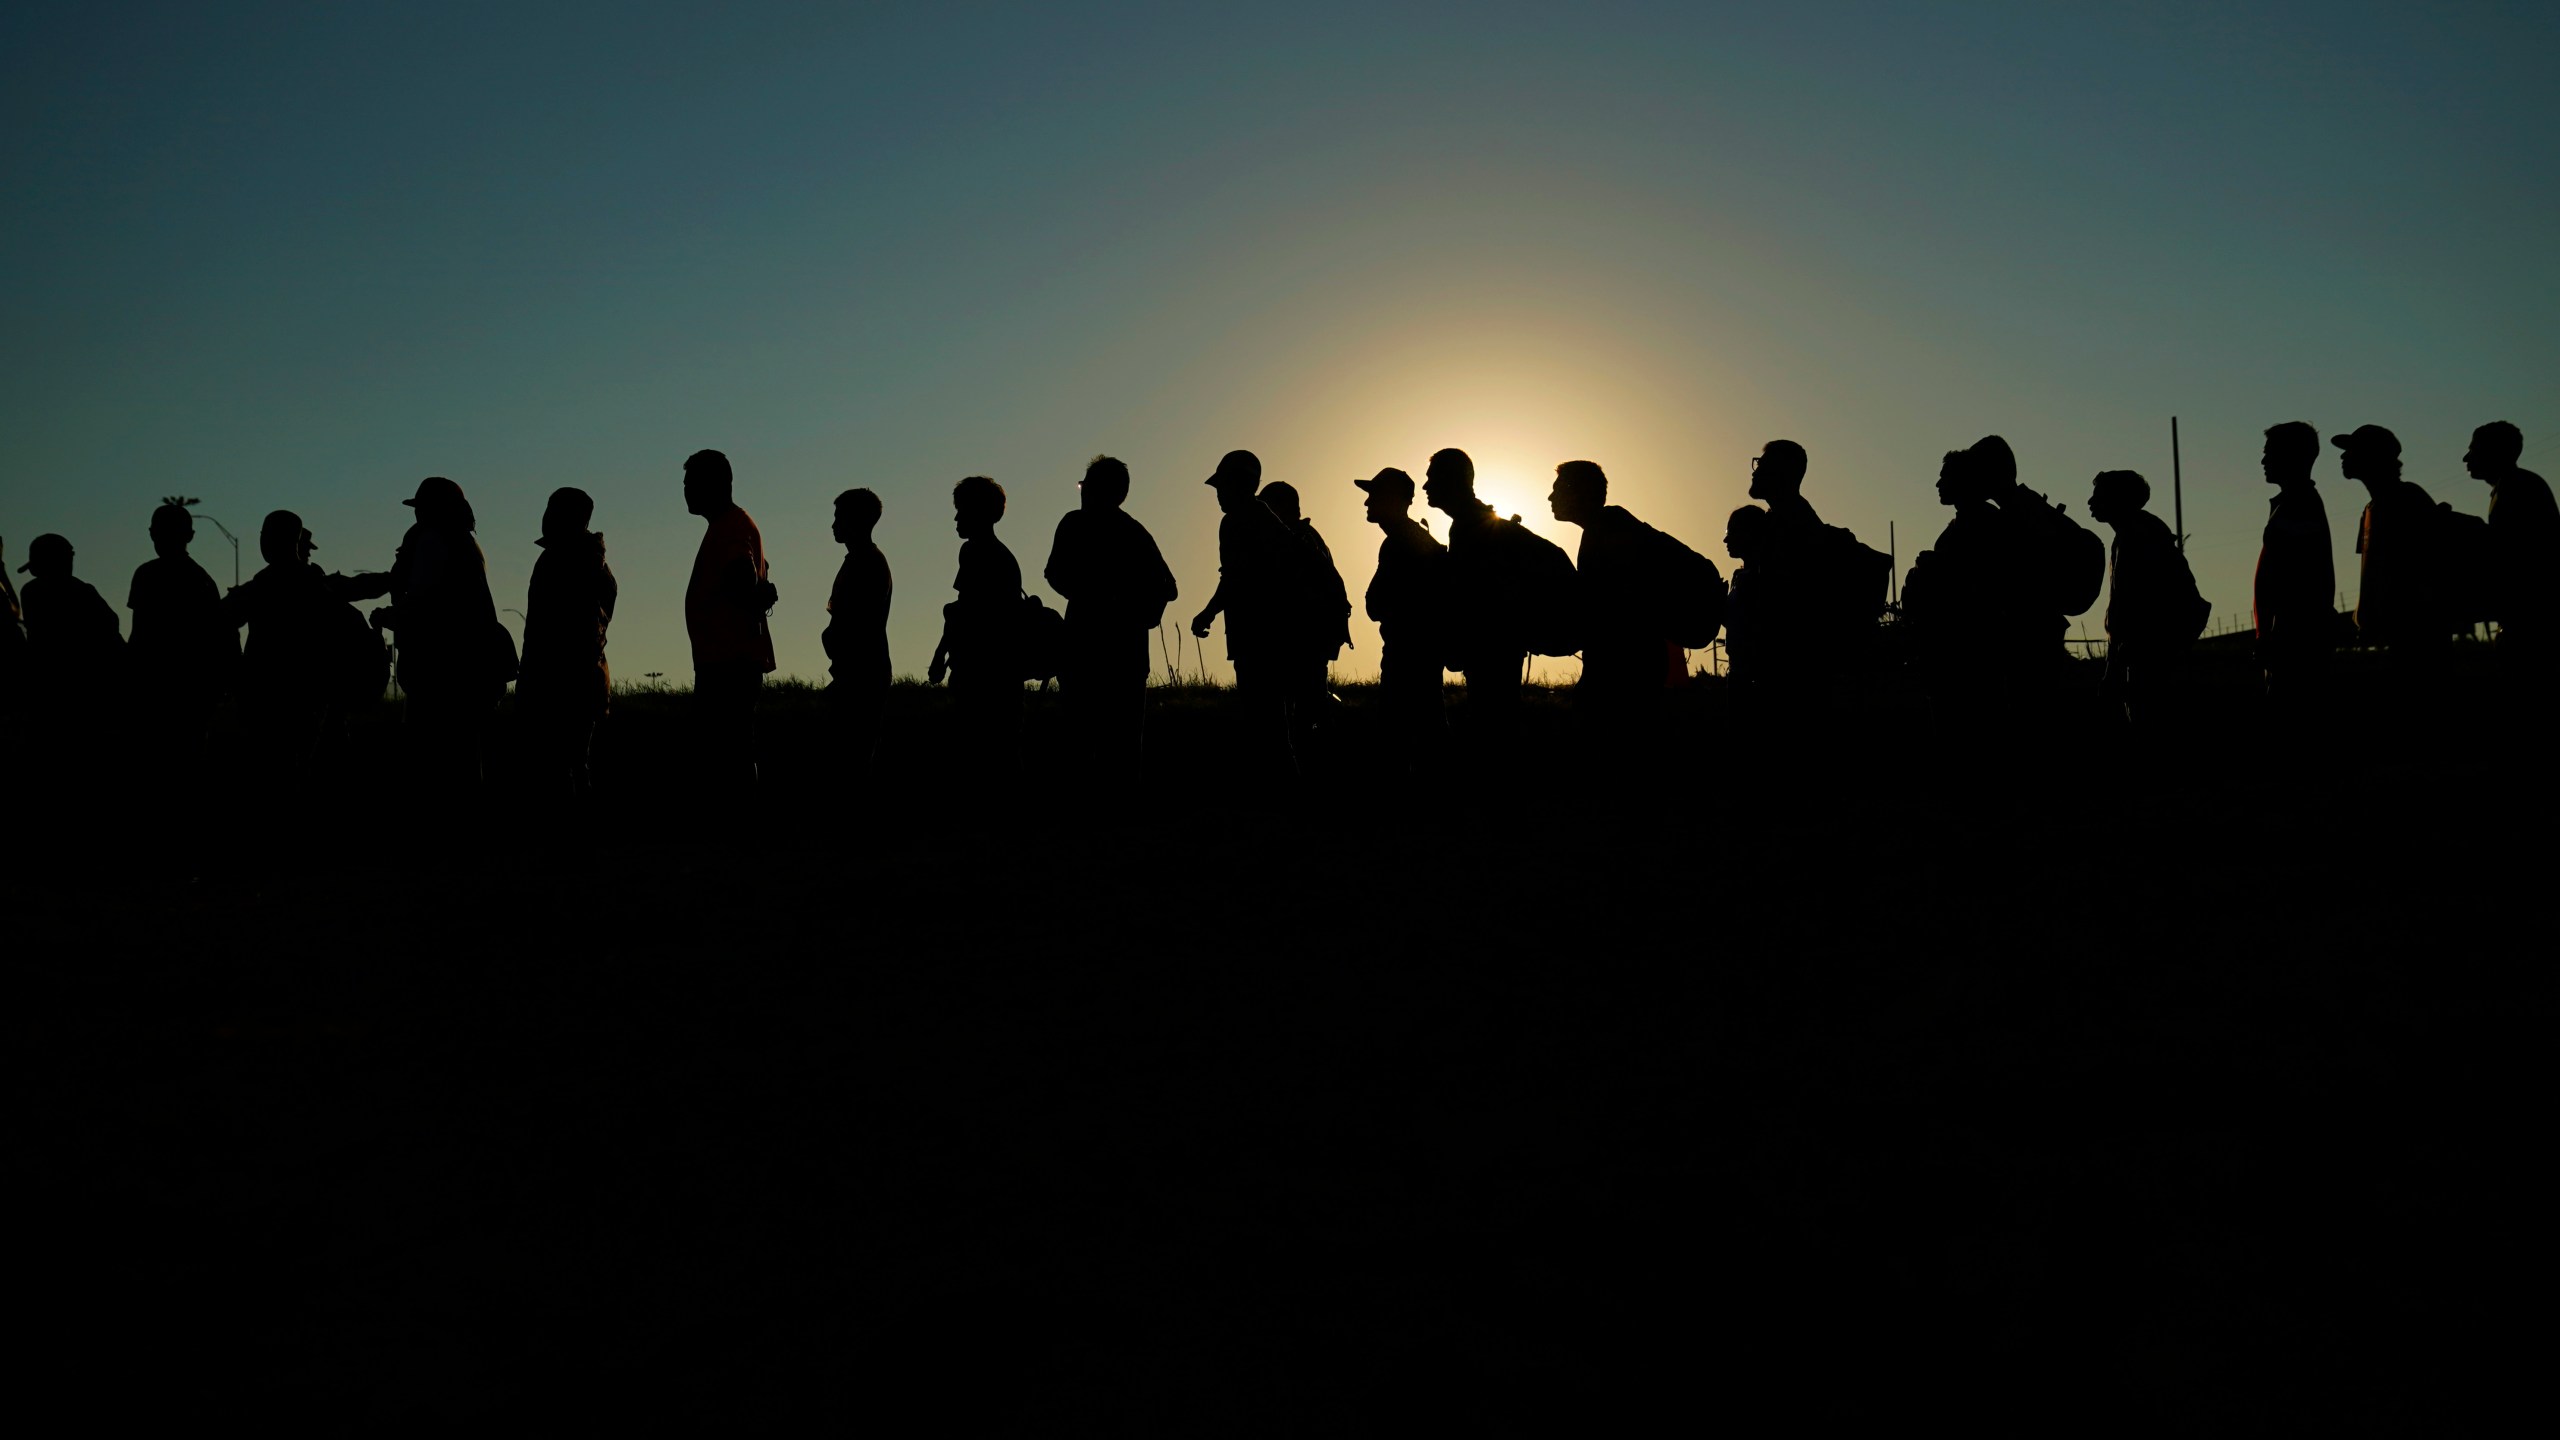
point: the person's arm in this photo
(1209, 613)
(1060, 572)
(941, 665)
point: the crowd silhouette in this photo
(1980, 619)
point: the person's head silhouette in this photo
(857, 511)
(1106, 484)
(1746, 531)
(2496, 449)
(1959, 479)
(1388, 495)
(173, 529)
(2292, 448)
(707, 484)
(977, 503)
(1238, 475)
(1994, 466)
(280, 538)
(1580, 493)
(48, 555)
(2116, 496)
(440, 505)
(566, 514)
(1778, 472)
(1449, 482)
(1282, 497)
(2371, 454)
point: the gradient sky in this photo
(300, 256)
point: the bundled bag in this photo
(1039, 640)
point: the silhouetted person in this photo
(724, 616)
(1817, 593)
(1323, 625)
(2057, 570)
(2293, 595)
(309, 654)
(2524, 548)
(75, 653)
(1747, 618)
(182, 650)
(1405, 599)
(565, 687)
(1261, 576)
(857, 633)
(455, 658)
(1488, 607)
(1959, 599)
(1625, 573)
(981, 627)
(2399, 587)
(1116, 586)
(2154, 611)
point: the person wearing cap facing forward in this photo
(182, 651)
(2524, 540)
(725, 603)
(455, 658)
(2292, 595)
(2400, 600)
(565, 686)
(1116, 586)
(1261, 570)
(1405, 600)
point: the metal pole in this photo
(1892, 562)
(2177, 485)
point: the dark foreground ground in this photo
(1900, 1080)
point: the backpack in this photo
(1694, 592)
(1039, 640)
(2067, 559)
(1547, 607)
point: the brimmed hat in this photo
(44, 545)
(1390, 483)
(2368, 437)
(435, 490)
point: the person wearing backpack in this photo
(2524, 542)
(2400, 601)
(726, 601)
(979, 650)
(1405, 600)
(1323, 625)
(1960, 599)
(1819, 590)
(1116, 585)
(1262, 569)
(2154, 611)
(1510, 591)
(2058, 568)
(1629, 579)
(2292, 595)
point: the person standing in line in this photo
(2399, 590)
(566, 685)
(1957, 596)
(308, 652)
(1488, 641)
(1116, 586)
(1405, 600)
(2154, 611)
(2293, 594)
(725, 603)
(455, 658)
(857, 634)
(981, 640)
(2524, 545)
(1323, 621)
(1748, 608)
(1260, 573)
(75, 650)
(1624, 585)
(182, 651)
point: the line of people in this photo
(1981, 618)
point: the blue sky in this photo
(301, 256)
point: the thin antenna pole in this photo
(2177, 486)
(1893, 562)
